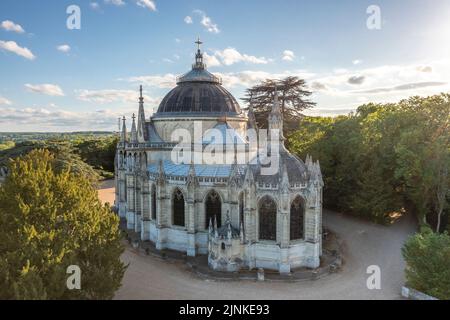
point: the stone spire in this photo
(133, 130)
(251, 116)
(192, 176)
(249, 178)
(216, 233)
(284, 183)
(199, 65)
(234, 174)
(123, 135)
(142, 133)
(308, 161)
(276, 116)
(210, 227)
(161, 173)
(319, 178)
(276, 104)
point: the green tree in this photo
(51, 219)
(427, 255)
(293, 95)
(99, 152)
(63, 151)
(384, 159)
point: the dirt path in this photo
(106, 191)
(364, 244)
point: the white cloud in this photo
(404, 87)
(188, 20)
(385, 76)
(249, 78)
(207, 22)
(166, 81)
(12, 46)
(50, 119)
(288, 55)
(63, 48)
(231, 79)
(149, 4)
(94, 5)
(424, 69)
(8, 25)
(4, 101)
(381, 84)
(46, 88)
(314, 112)
(115, 2)
(356, 62)
(337, 91)
(177, 40)
(231, 56)
(112, 95)
(211, 60)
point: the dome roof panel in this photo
(199, 97)
(199, 91)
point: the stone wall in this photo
(415, 295)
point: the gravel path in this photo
(106, 192)
(364, 244)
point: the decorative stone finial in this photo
(199, 57)
(141, 97)
(241, 232)
(199, 43)
(124, 130)
(210, 227)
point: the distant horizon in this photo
(42, 132)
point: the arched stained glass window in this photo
(297, 216)
(241, 211)
(153, 202)
(178, 208)
(267, 219)
(213, 207)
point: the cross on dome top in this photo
(199, 43)
(199, 57)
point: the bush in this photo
(427, 256)
(384, 159)
(50, 219)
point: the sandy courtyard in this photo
(365, 244)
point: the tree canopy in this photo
(50, 219)
(90, 157)
(384, 159)
(427, 255)
(293, 96)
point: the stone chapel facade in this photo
(231, 212)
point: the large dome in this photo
(199, 91)
(199, 97)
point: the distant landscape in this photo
(88, 152)
(7, 137)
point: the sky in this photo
(56, 78)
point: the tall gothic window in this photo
(213, 207)
(267, 219)
(178, 208)
(297, 216)
(153, 202)
(241, 211)
(137, 198)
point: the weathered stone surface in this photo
(147, 180)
